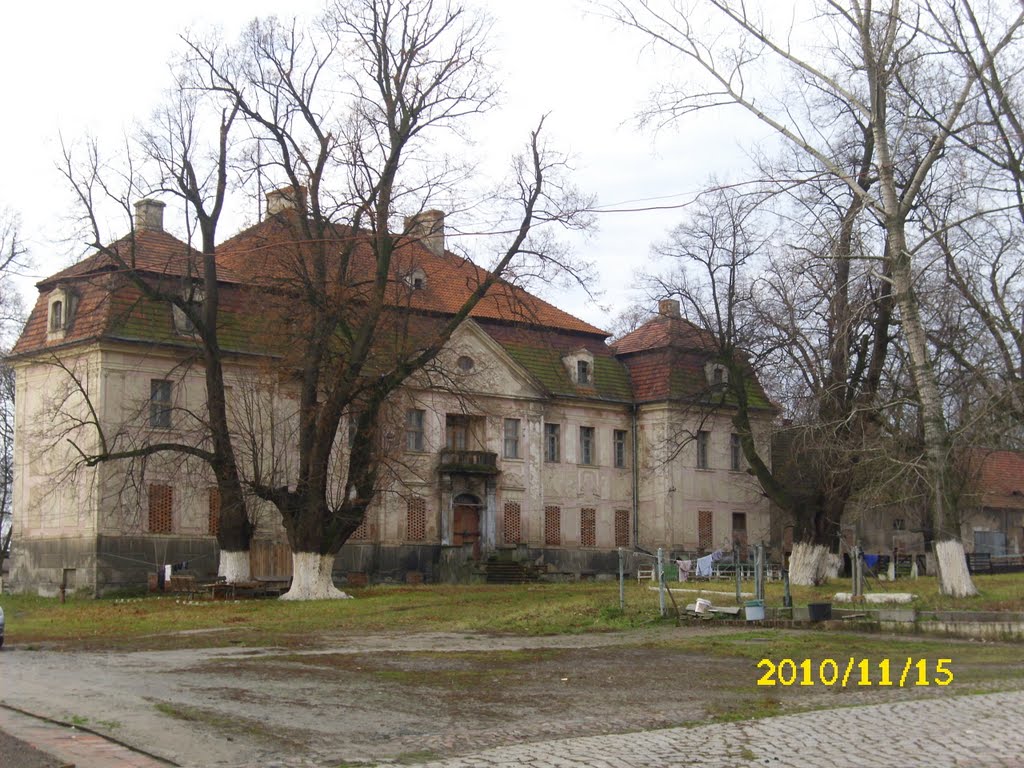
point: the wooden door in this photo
(466, 527)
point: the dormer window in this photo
(580, 366)
(582, 372)
(183, 322)
(417, 279)
(60, 312)
(717, 374)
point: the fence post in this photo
(661, 582)
(622, 579)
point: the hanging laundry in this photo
(704, 566)
(685, 566)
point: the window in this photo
(465, 363)
(213, 510)
(897, 524)
(417, 279)
(717, 376)
(587, 445)
(621, 527)
(57, 316)
(511, 438)
(414, 429)
(161, 508)
(160, 403)
(513, 522)
(552, 442)
(353, 427)
(705, 530)
(552, 526)
(582, 372)
(703, 438)
(735, 452)
(416, 519)
(588, 527)
(739, 529)
(619, 447)
(456, 432)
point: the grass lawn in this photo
(538, 609)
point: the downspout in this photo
(636, 476)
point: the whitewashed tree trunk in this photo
(311, 578)
(234, 566)
(954, 578)
(809, 564)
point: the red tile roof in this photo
(267, 254)
(151, 251)
(271, 252)
(661, 332)
(1000, 479)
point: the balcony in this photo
(469, 462)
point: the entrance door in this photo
(466, 527)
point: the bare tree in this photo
(886, 65)
(351, 158)
(183, 151)
(13, 257)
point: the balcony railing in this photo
(469, 462)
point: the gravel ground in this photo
(406, 697)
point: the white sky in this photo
(73, 68)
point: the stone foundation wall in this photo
(99, 565)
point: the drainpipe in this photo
(636, 476)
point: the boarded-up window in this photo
(552, 526)
(214, 511)
(362, 533)
(705, 532)
(621, 527)
(416, 519)
(588, 527)
(161, 505)
(513, 522)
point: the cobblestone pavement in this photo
(980, 730)
(984, 730)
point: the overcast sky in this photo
(77, 68)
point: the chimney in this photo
(285, 199)
(428, 228)
(668, 308)
(149, 215)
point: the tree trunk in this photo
(234, 566)
(954, 578)
(811, 565)
(311, 578)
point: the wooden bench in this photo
(644, 572)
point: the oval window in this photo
(465, 363)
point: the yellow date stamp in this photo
(854, 672)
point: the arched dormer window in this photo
(60, 312)
(580, 365)
(717, 374)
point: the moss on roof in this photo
(611, 382)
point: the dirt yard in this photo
(409, 697)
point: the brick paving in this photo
(981, 730)
(71, 746)
(985, 730)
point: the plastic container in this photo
(754, 610)
(702, 605)
(819, 611)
